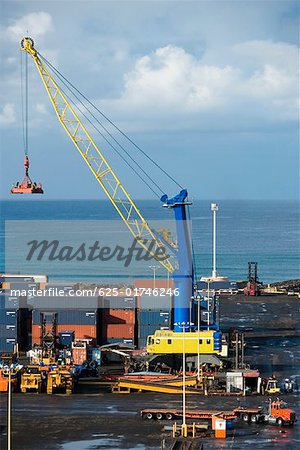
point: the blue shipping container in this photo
(118, 303)
(64, 302)
(117, 341)
(8, 331)
(8, 317)
(38, 316)
(67, 316)
(7, 344)
(154, 318)
(156, 303)
(8, 301)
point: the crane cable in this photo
(110, 121)
(26, 104)
(24, 101)
(105, 138)
(112, 137)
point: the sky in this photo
(208, 89)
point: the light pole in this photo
(183, 325)
(154, 268)
(9, 411)
(214, 209)
(208, 304)
(198, 329)
(183, 387)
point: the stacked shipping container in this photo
(154, 313)
(83, 323)
(118, 320)
(13, 320)
(8, 323)
(105, 320)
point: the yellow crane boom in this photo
(98, 164)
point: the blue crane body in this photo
(183, 276)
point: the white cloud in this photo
(171, 76)
(172, 83)
(11, 60)
(41, 108)
(279, 54)
(8, 116)
(34, 24)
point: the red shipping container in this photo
(141, 283)
(36, 331)
(81, 331)
(118, 331)
(118, 316)
(79, 355)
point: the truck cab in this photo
(281, 413)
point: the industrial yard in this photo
(149, 253)
(95, 416)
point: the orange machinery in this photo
(4, 379)
(26, 186)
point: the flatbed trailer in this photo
(276, 413)
(170, 414)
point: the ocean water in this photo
(263, 231)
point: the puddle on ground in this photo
(105, 442)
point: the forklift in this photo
(272, 387)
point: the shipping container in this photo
(60, 286)
(63, 302)
(8, 301)
(118, 316)
(81, 331)
(79, 317)
(17, 278)
(7, 344)
(125, 331)
(154, 318)
(129, 342)
(8, 316)
(158, 303)
(121, 302)
(9, 331)
(24, 277)
(23, 289)
(149, 283)
(39, 316)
